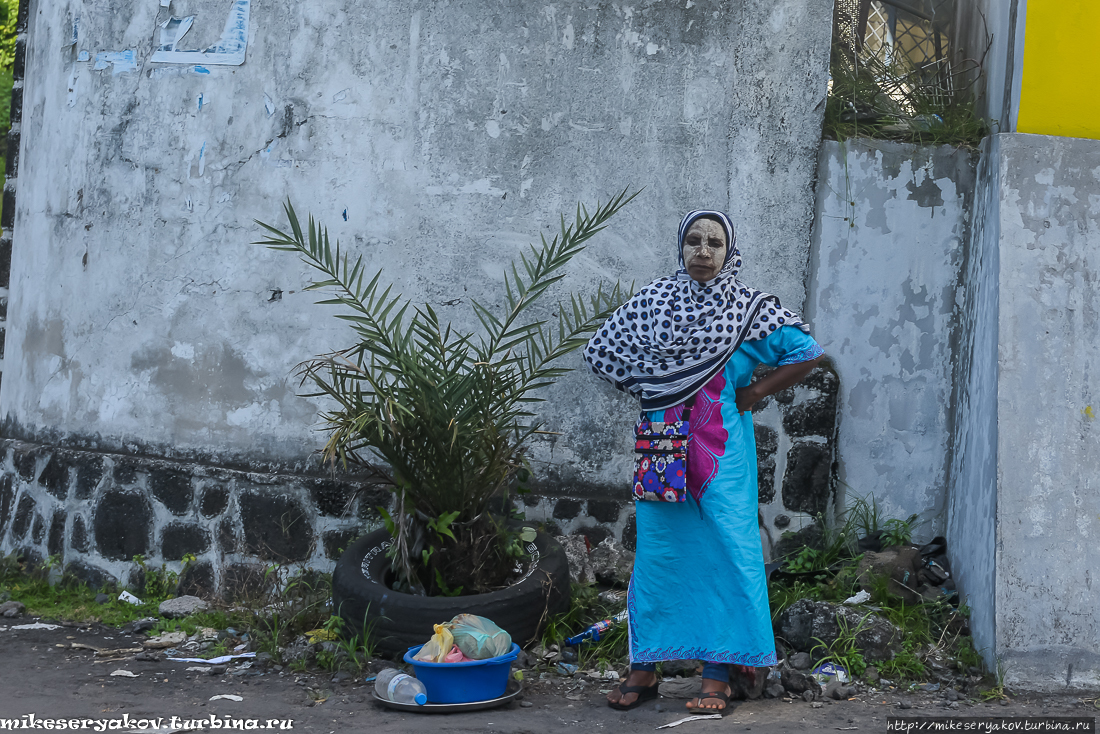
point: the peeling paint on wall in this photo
(228, 51)
(885, 265)
(120, 61)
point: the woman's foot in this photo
(641, 678)
(713, 704)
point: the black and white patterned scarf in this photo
(674, 335)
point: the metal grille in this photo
(914, 30)
(911, 31)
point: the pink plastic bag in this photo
(455, 656)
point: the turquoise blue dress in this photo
(698, 591)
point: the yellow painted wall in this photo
(1060, 85)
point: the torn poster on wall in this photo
(228, 51)
(121, 61)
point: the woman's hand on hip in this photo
(747, 397)
(778, 379)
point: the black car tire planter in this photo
(401, 621)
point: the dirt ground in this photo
(41, 674)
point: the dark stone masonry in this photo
(94, 511)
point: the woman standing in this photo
(698, 590)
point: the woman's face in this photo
(704, 249)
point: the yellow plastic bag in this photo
(436, 648)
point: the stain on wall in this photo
(885, 279)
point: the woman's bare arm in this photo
(778, 379)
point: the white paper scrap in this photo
(213, 661)
(686, 719)
(226, 696)
(37, 626)
(862, 597)
(199, 668)
(124, 674)
(128, 597)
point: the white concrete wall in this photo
(447, 135)
(1048, 399)
(972, 491)
(885, 266)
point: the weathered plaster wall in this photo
(992, 32)
(435, 138)
(885, 265)
(1048, 398)
(972, 491)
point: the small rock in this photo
(807, 623)
(168, 639)
(526, 704)
(871, 675)
(569, 655)
(145, 623)
(263, 660)
(775, 690)
(796, 682)
(658, 708)
(800, 661)
(816, 704)
(526, 660)
(681, 687)
(576, 553)
(904, 705)
(218, 669)
(974, 670)
(807, 696)
(300, 649)
(611, 562)
(147, 656)
(181, 606)
(1004, 702)
(952, 694)
(341, 677)
(102, 598)
(836, 690)
(683, 668)
(11, 609)
(954, 705)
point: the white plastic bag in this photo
(478, 637)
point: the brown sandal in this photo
(710, 695)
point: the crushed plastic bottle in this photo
(593, 633)
(393, 685)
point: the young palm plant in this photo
(444, 416)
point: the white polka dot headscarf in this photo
(674, 335)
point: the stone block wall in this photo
(95, 512)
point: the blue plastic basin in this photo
(476, 680)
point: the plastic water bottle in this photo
(593, 633)
(393, 685)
